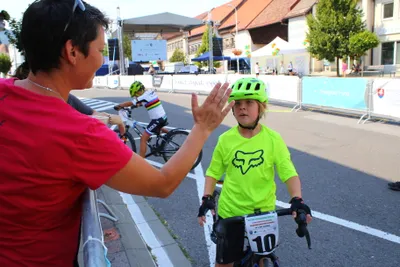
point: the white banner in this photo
(126, 81)
(197, 83)
(147, 80)
(113, 81)
(163, 82)
(386, 97)
(281, 88)
(100, 81)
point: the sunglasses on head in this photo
(77, 3)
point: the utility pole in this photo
(120, 42)
(210, 43)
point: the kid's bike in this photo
(261, 233)
(163, 145)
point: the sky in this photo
(130, 8)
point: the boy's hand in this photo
(211, 113)
(298, 204)
(208, 203)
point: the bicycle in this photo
(164, 145)
(261, 250)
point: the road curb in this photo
(140, 229)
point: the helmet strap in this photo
(250, 127)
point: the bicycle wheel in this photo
(172, 142)
(127, 138)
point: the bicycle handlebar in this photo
(301, 220)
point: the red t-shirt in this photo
(49, 155)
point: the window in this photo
(387, 53)
(390, 53)
(388, 10)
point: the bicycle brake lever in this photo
(308, 238)
(302, 230)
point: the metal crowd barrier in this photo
(345, 96)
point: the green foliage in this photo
(178, 56)
(204, 47)
(15, 34)
(5, 15)
(5, 63)
(361, 42)
(127, 46)
(105, 51)
(330, 30)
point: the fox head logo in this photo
(246, 161)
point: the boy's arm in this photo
(124, 105)
(209, 186)
(293, 185)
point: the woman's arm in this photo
(77, 104)
(140, 178)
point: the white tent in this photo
(267, 50)
(284, 47)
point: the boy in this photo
(140, 96)
(247, 154)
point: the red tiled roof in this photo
(220, 14)
(273, 13)
(301, 8)
(246, 13)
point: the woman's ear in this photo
(69, 52)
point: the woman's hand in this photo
(116, 120)
(211, 113)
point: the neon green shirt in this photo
(248, 165)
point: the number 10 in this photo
(269, 241)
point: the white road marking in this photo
(349, 224)
(146, 232)
(200, 180)
(105, 108)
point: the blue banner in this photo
(345, 93)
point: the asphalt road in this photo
(344, 168)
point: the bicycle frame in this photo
(155, 149)
(249, 254)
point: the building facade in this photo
(288, 21)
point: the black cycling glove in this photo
(208, 203)
(297, 203)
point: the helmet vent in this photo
(240, 86)
(258, 85)
(248, 86)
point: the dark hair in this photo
(43, 36)
(22, 71)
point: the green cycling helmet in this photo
(249, 88)
(135, 87)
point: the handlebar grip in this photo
(301, 231)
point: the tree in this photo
(361, 42)
(127, 47)
(5, 64)
(14, 36)
(331, 28)
(178, 56)
(204, 47)
(105, 51)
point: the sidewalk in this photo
(125, 239)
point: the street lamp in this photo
(236, 22)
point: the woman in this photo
(50, 153)
(22, 72)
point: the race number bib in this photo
(262, 232)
